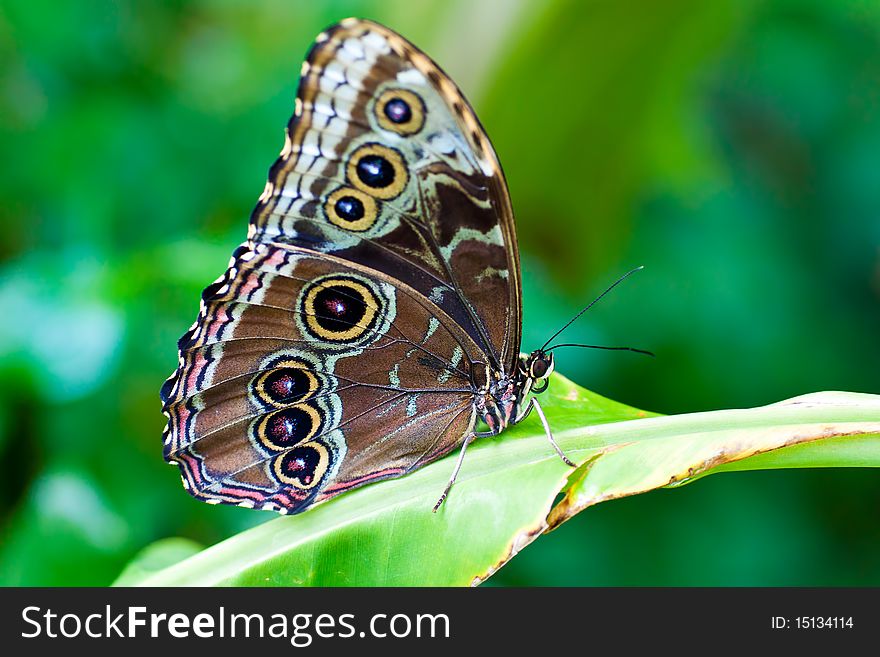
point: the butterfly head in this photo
(537, 368)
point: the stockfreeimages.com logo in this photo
(299, 629)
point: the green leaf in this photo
(385, 534)
(829, 429)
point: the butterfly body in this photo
(373, 315)
(503, 400)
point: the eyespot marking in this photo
(351, 209)
(288, 382)
(378, 171)
(303, 466)
(375, 171)
(400, 111)
(285, 428)
(339, 309)
(397, 111)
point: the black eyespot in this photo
(301, 463)
(338, 309)
(350, 208)
(398, 111)
(304, 466)
(288, 384)
(288, 427)
(375, 171)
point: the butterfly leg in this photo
(534, 403)
(467, 441)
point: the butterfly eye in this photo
(400, 111)
(378, 171)
(541, 366)
(351, 209)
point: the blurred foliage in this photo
(731, 147)
(514, 491)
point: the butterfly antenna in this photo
(597, 346)
(593, 303)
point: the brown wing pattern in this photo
(379, 285)
(386, 164)
(306, 375)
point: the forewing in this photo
(386, 164)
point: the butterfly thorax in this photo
(502, 402)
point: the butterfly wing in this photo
(379, 286)
(385, 164)
(306, 375)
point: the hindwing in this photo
(306, 375)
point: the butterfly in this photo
(373, 316)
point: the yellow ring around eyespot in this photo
(371, 210)
(361, 291)
(416, 107)
(320, 468)
(394, 159)
(260, 384)
(311, 411)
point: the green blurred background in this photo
(731, 147)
